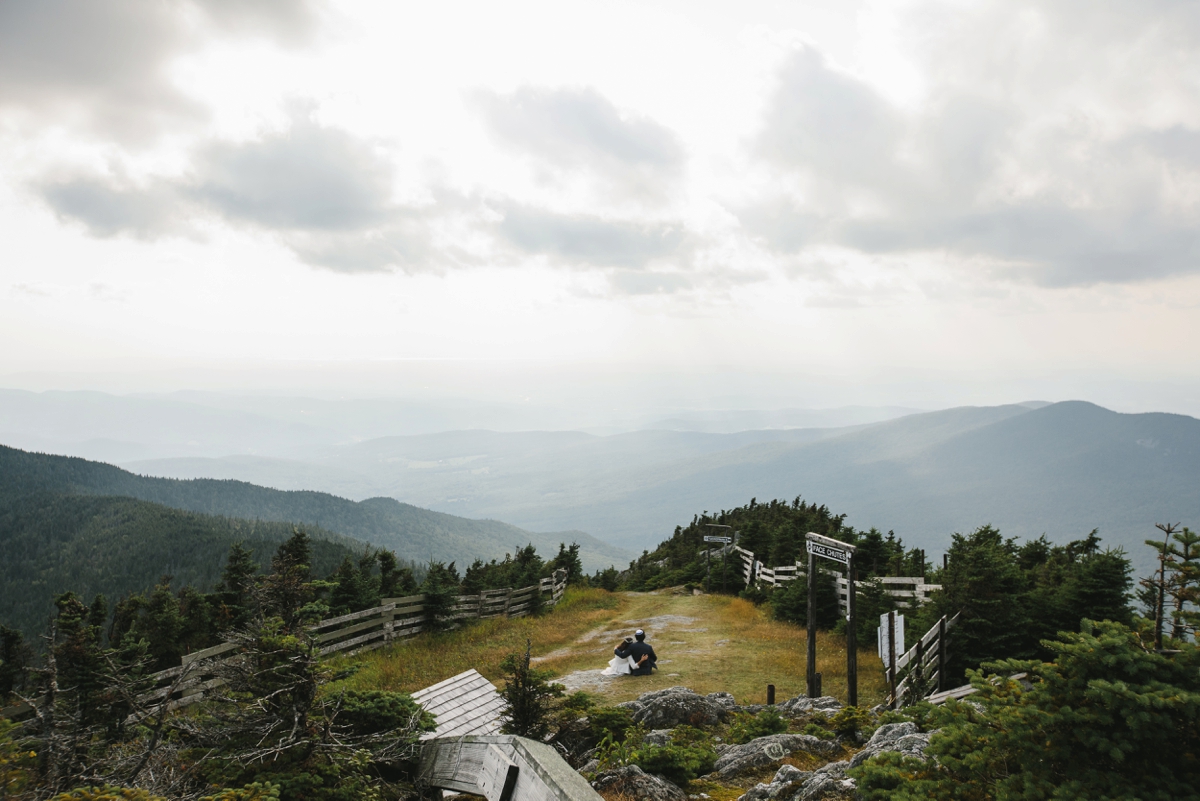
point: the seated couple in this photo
(632, 658)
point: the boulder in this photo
(723, 699)
(666, 709)
(827, 782)
(633, 782)
(902, 737)
(802, 704)
(765, 750)
(786, 780)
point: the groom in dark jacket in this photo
(643, 654)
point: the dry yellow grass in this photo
(716, 643)
(427, 659)
(709, 643)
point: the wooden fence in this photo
(923, 666)
(907, 590)
(393, 619)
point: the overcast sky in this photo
(800, 203)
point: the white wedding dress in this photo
(618, 666)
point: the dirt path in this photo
(708, 643)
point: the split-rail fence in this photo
(907, 590)
(393, 619)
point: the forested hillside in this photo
(53, 542)
(411, 532)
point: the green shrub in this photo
(817, 730)
(689, 754)
(850, 720)
(610, 721)
(376, 712)
(529, 696)
(579, 701)
(746, 727)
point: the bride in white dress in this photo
(619, 666)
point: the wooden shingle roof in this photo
(463, 704)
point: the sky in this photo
(740, 205)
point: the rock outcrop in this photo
(632, 781)
(802, 704)
(902, 737)
(675, 706)
(787, 781)
(764, 750)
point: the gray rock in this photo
(665, 709)
(658, 737)
(902, 737)
(633, 782)
(591, 766)
(785, 782)
(827, 782)
(723, 699)
(765, 750)
(802, 704)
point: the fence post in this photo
(918, 681)
(941, 654)
(892, 658)
(811, 668)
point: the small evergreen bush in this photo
(747, 727)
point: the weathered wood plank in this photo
(377, 610)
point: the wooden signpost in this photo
(843, 552)
(724, 559)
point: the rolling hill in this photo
(54, 542)
(411, 532)
(1061, 469)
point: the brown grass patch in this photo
(429, 658)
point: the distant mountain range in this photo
(413, 533)
(1061, 469)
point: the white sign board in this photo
(718, 539)
(829, 552)
(884, 647)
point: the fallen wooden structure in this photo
(463, 704)
(500, 767)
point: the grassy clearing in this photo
(709, 643)
(716, 643)
(429, 658)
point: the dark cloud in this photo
(589, 240)
(954, 178)
(102, 64)
(581, 130)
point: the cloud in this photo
(590, 241)
(307, 177)
(327, 194)
(1002, 180)
(108, 206)
(580, 130)
(103, 64)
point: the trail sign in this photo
(726, 540)
(838, 551)
(836, 554)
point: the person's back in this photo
(643, 655)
